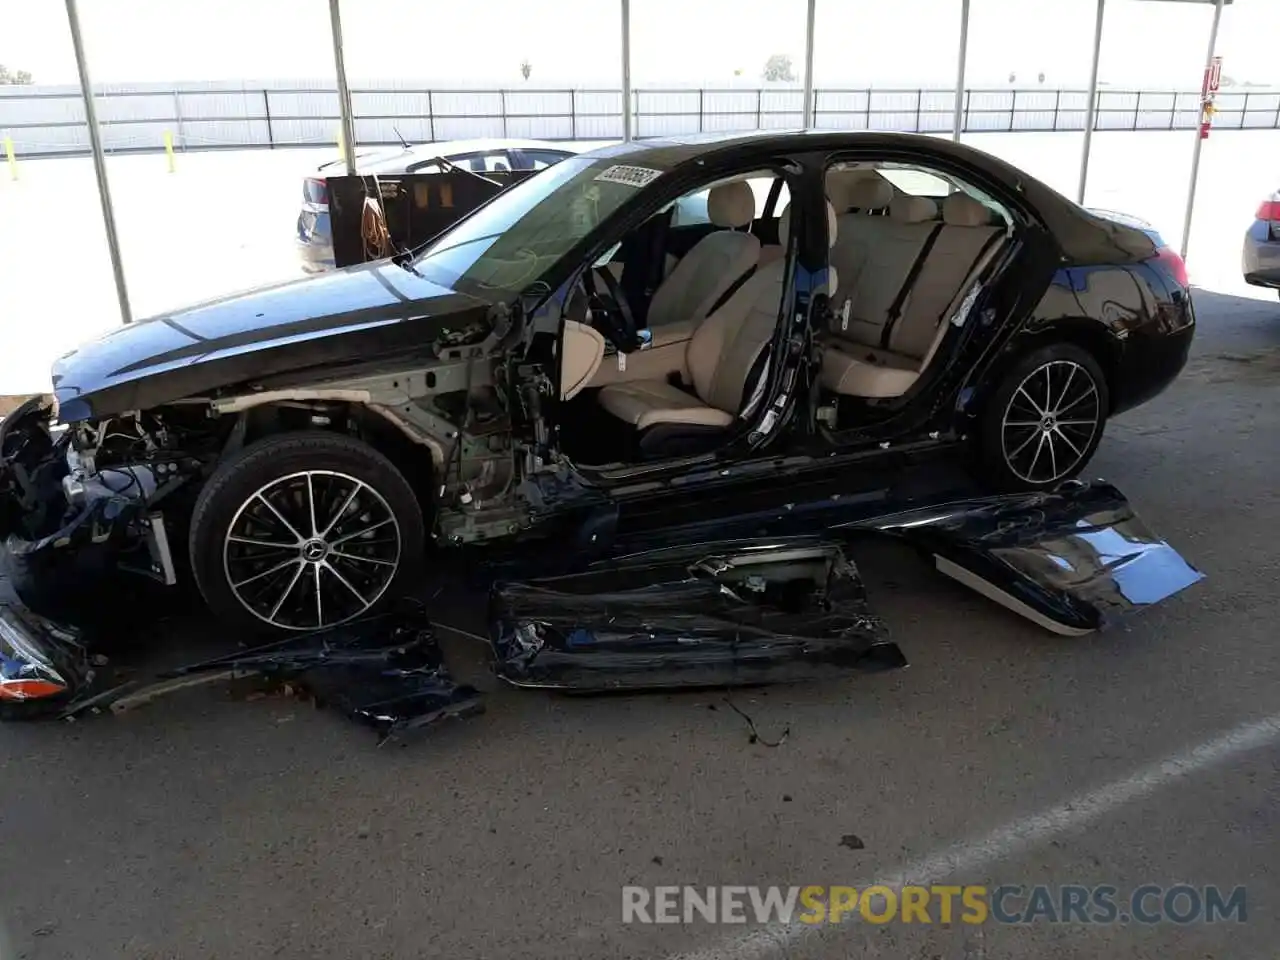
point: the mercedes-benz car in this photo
(1261, 255)
(314, 239)
(907, 336)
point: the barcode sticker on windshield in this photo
(631, 176)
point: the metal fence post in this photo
(1057, 105)
(919, 97)
(1091, 107)
(431, 119)
(808, 99)
(99, 163)
(626, 69)
(962, 105)
(1195, 156)
(266, 111)
(1244, 110)
(701, 95)
(1137, 109)
(760, 108)
(502, 109)
(573, 114)
(1013, 109)
(177, 120)
(344, 92)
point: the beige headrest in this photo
(784, 225)
(731, 204)
(961, 210)
(869, 193)
(908, 209)
(839, 183)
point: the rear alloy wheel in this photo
(304, 531)
(1045, 420)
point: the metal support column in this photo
(1195, 157)
(1091, 109)
(809, 118)
(344, 92)
(958, 122)
(626, 69)
(99, 163)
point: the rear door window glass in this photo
(540, 159)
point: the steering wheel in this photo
(610, 312)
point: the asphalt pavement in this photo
(207, 825)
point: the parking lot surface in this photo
(205, 825)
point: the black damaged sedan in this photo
(741, 347)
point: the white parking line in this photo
(974, 855)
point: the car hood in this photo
(362, 312)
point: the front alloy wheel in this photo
(302, 531)
(310, 541)
(1045, 420)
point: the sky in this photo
(696, 42)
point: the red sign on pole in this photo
(1212, 78)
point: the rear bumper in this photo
(1260, 258)
(314, 240)
(1153, 353)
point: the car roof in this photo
(1082, 235)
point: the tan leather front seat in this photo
(720, 356)
(715, 263)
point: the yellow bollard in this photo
(13, 160)
(168, 150)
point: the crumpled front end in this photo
(44, 666)
(718, 614)
(69, 524)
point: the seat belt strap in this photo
(895, 308)
(731, 290)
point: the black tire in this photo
(283, 466)
(1077, 386)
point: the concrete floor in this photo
(202, 826)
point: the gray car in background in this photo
(314, 233)
(1261, 259)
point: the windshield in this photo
(511, 241)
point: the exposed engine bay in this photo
(130, 480)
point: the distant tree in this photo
(1041, 76)
(1013, 78)
(526, 68)
(13, 77)
(778, 67)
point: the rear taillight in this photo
(1270, 210)
(1176, 266)
(315, 190)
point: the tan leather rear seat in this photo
(874, 257)
(853, 362)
